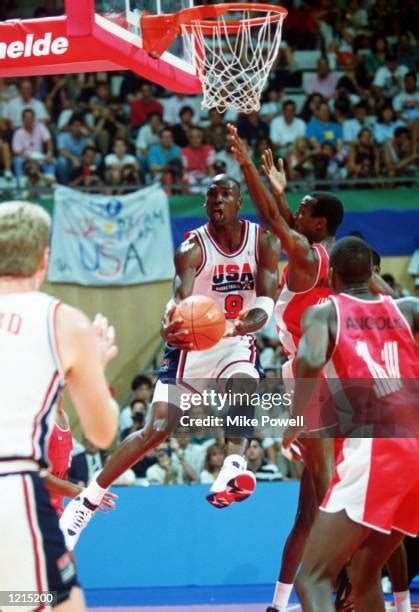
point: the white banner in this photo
(111, 240)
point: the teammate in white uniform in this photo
(236, 263)
(43, 345)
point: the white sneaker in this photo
(234, 483)
(75, 518)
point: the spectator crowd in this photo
(341, 103)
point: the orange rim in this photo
(275, 13)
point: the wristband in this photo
(266, 304)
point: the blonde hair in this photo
(24, 236)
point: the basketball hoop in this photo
(235, 48)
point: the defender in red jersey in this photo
(59, 457)
(306, 238)
(373, 498)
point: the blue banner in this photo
(111, 240)
(390, 232)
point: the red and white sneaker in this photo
(234, 483)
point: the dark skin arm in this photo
(266, 285)
(278, 182)
(409, 306)
(319, 331)
(69, 489)
(187, 261)
(378, 285)
(303, 260)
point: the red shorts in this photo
(376, 482)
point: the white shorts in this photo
(192, 370)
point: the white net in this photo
(234, 67)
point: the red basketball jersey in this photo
(374, 351)
(59, 455)
(291, 305)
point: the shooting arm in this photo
(187, 260)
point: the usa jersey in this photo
(376, 358)
(291, 305)
(31, 379)
(59, 455)
(228, 278)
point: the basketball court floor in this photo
(250, 600)
(223, 608)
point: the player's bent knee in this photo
(75, 602)
(303, 587)
(242, 383)
(163, 422)
(307, 584)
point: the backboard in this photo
(98, 35)
(123, 19)
(118, 23)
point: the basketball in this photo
(204, 318)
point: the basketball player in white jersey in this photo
(236, 263)
(43, 345)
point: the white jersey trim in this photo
(219, 248)
(52, 337)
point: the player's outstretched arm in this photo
(70, 489)
(187, 261)
(250, 321)
(60, 486)
(294, 244)
(85, 349)
(278, 182)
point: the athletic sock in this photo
(282, 595)
(236, 461)
(402, 601)
(94, 493)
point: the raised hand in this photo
(239, 148)
(105, 335)
(275, 175)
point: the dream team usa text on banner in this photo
(111, 240)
